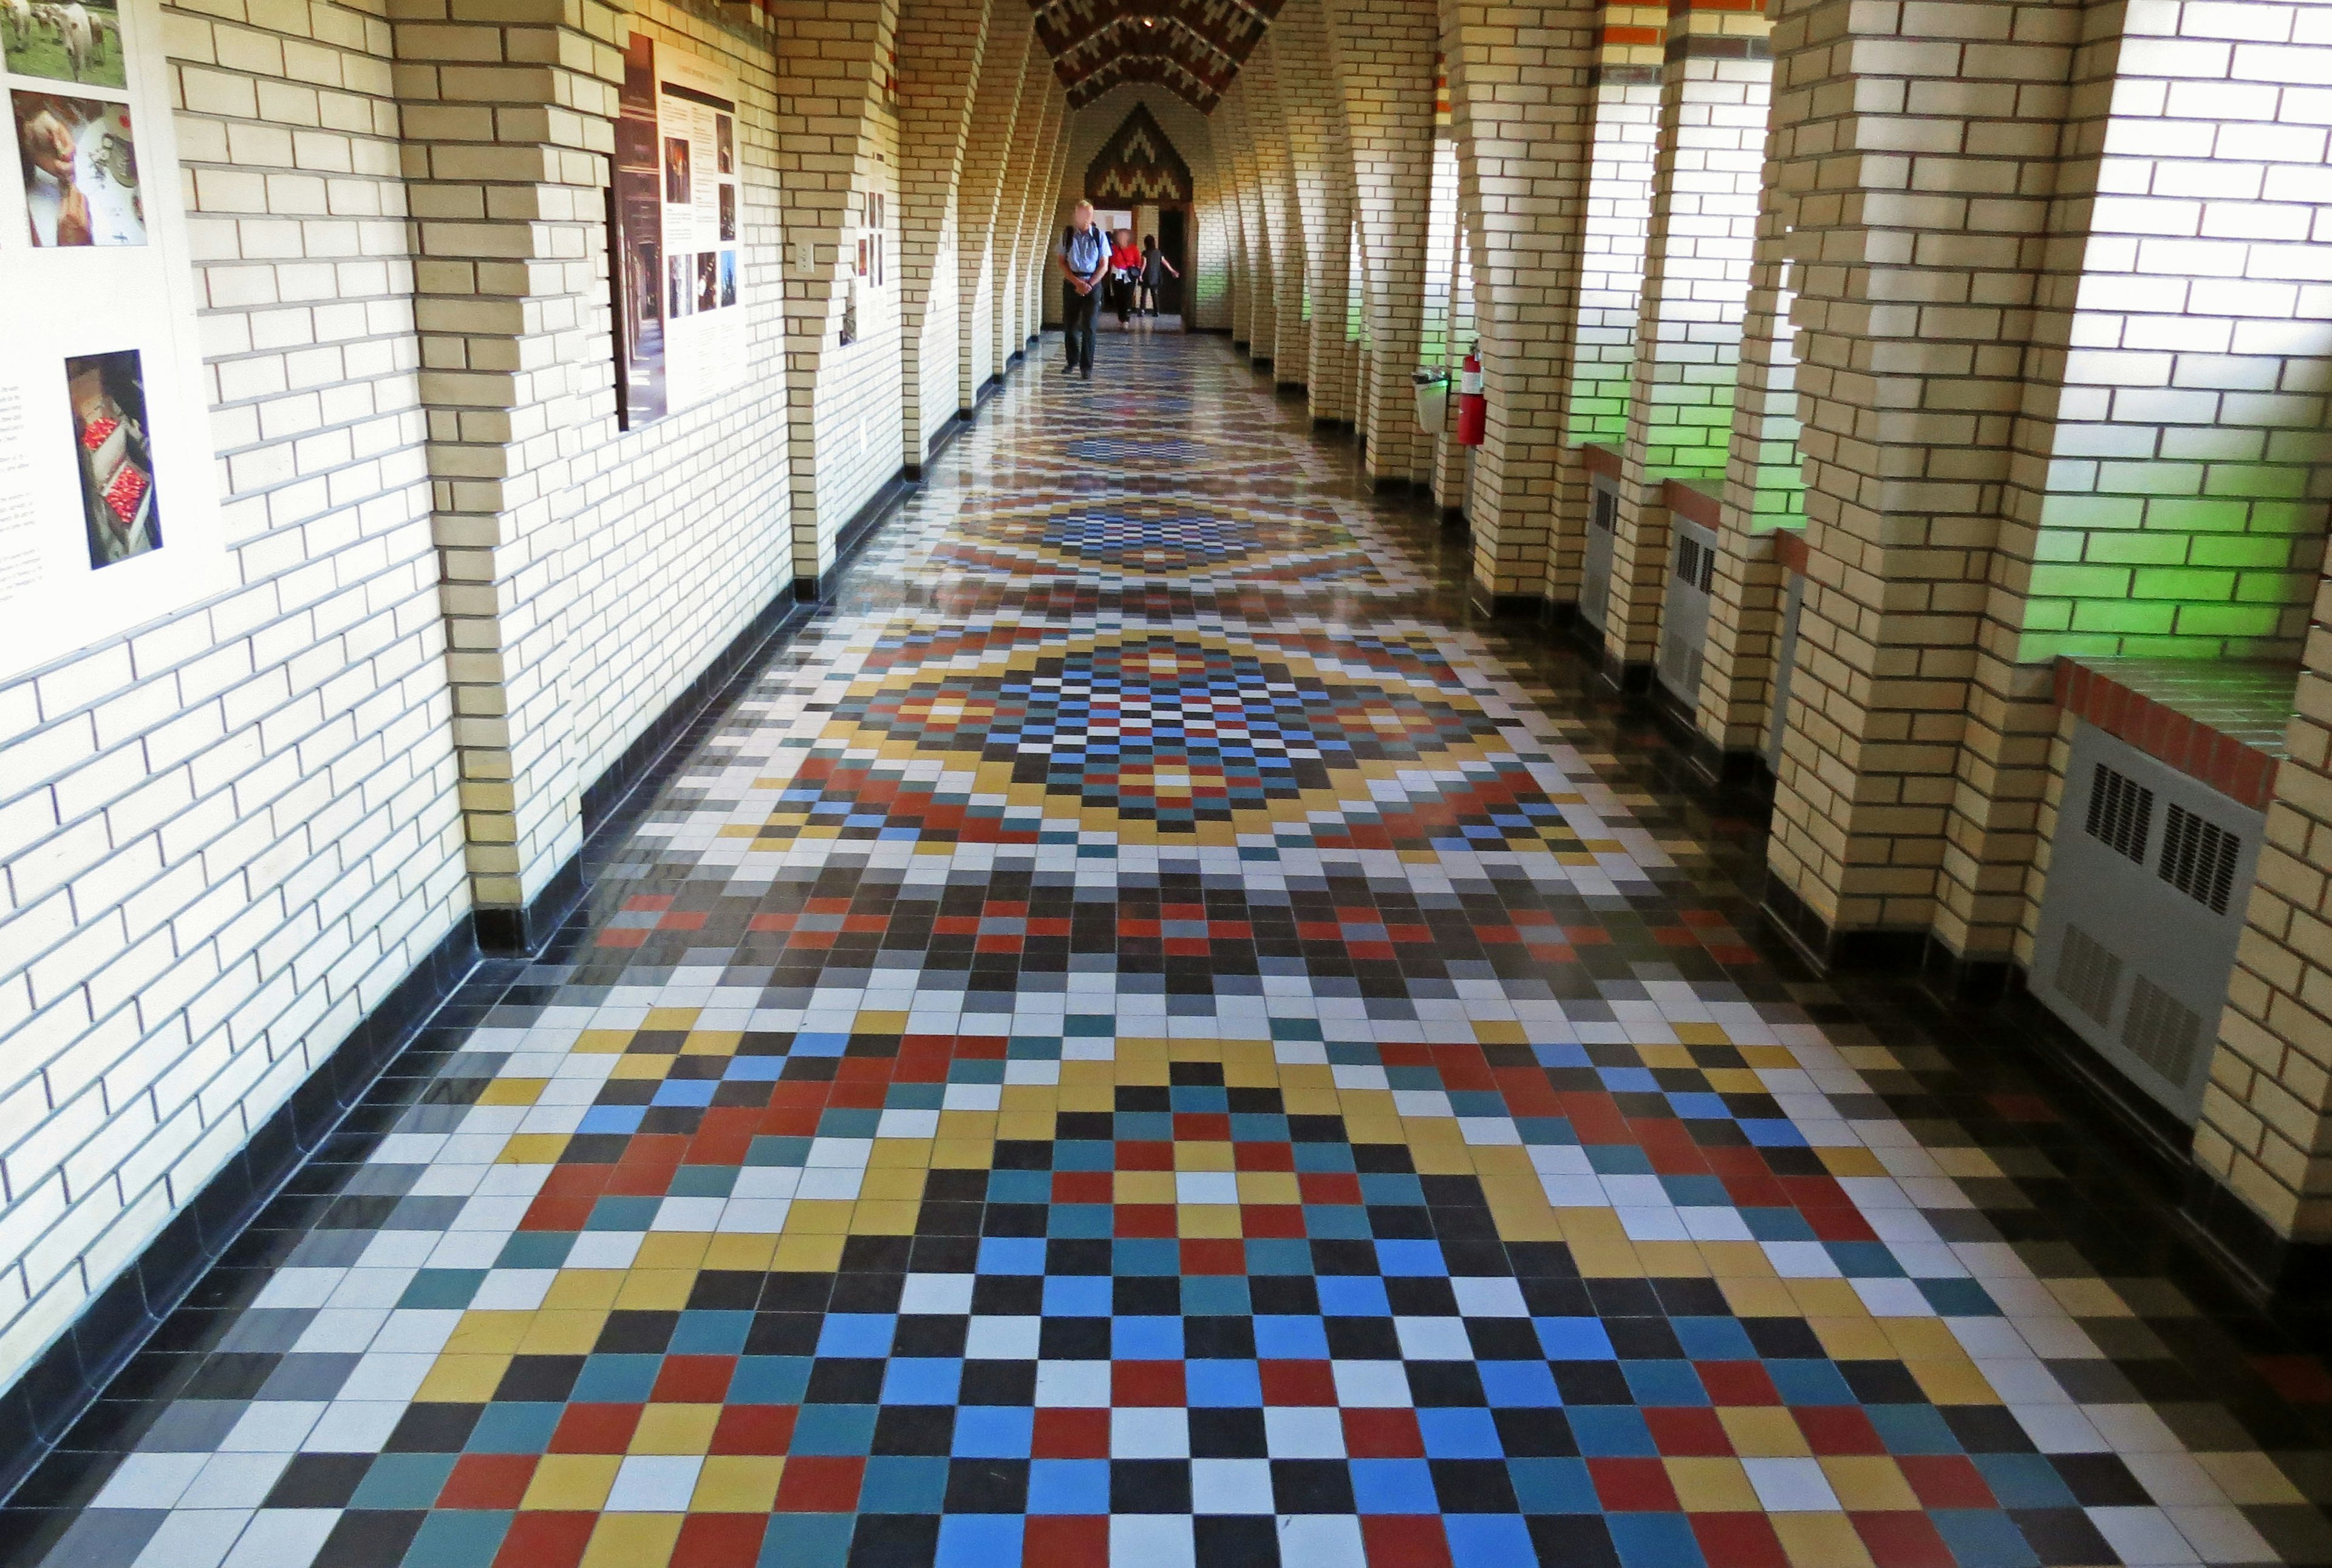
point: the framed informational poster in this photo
(674, 208)
(109, 513)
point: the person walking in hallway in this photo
(1155, 270)
(1085, 262)
(1124, 275)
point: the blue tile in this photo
(770, 1380)
(1068, 1486)
(856, 1334)
(1146, 1339)
(1394, 1486)
(904, 1484)
(1508, 1383)
(458, 1538)
(1290, 1339)
(993, 1431)
(1459, 1433)
(808, 1540)
(1574, 1339)
(1488, 1540)
(1611, 1431)
(1654, 1541)
(922, 1381)
(1078, 1296)
(979, 1541)
(1215, 1383)
(834, 1429)
(1553, 1486)
(1984, 1538)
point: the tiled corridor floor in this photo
(1140, 1039)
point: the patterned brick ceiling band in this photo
(1193, 47)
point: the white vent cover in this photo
(2148, 879)
(1684, 621)
(1595, 572)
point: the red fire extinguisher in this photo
(1472, 408)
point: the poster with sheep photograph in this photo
(72, 41)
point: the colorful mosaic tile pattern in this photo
(1080, 1073)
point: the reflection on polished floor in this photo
(1141, 1040)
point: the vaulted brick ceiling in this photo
(1192, 47)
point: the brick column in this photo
(941, 48)
(1519, 102)
(1031, 129)
(996, 106)
(1252, 320)
(1320, 150)
(1705, 194)
(1289, 348)
(1765, 493)
(509, 125)
(1383, 51)
(832, 56)
(1916, 280)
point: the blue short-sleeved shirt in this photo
(1087, 251)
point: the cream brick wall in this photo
(1320, 153)
(942, 44)
(1205, 285)
(1519, 102)
(996, 106)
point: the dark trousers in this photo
(1077, 312)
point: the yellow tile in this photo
(902, 1154)
(870, 1022)
(1711, 1486)
(641, 1066)
(463, 1379)
(1952, 1382)
(632, 1541)
(675, 1429)
(1733, 1081)
(711, 1043)
(1317, 1102)
(1852, 1339)
(571, 1482)
(1025, 1127)
(512, 1092)
(565, 1331)
(2249, 1480)
(885, 1217)
(1672, 1259)
(1142, 1187)
(1499, 1032)
(819, 1217)
(1762, 1432)
(1827, 1298)
(1269, 1187)
(1819, 1540)
(963, 1153)
(1661, 1054)
(1852, 1160)
(487, 1333)
(1768, 1057)
(1701, 1034)
(2088, 1298)
(1921, 1339)
(533, 1148)
(1754, 1298)
(672, 1249)
(1729, 1260)
(736, 1483)
(656, 1289)
(670, 1020)
(732, 1254)
(1205, 1156)
(898, 1185)
(973, 1125)
(1373, 1127)
(808, 1254)
(1436, 1158)
(1207, 1220)
(1028, 1097)
(583, 1289)
(602, 1042)
(1521, 1222)
(1868, 1483)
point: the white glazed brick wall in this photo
(682, 529)
(1207, 284)
(996, 107)
(227, 836)
(942, 44)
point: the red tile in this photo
(1688, 1429)
(487, 1481)
(1737, 1383)
(754, 1429)
(1202, 1127)
(1071, 1434)
(1067, 1541)
(1152, 1383)
(1082, 1186)
(1263, 1156)
(1383, 1434)
(546, 1541)
(1633, 1486)
(719, 1540)
(693, 1380)
(1143, 1156)
(1214, 1256)
(1329, 1186)
(1404, 1541)
(1946, 1481)
(1902, 1540)
(1262, 1221)
(1837, 1429)
(1298, 1382)
(2301, 1379)
(819, 1484)
(1739, 1540)
(595, 1430)
(1154, 1220)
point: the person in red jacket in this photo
(1124, 274)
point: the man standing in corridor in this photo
(1084, 261)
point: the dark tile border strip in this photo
(66, 1379)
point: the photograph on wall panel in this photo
(675, 208)
(109, 512)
